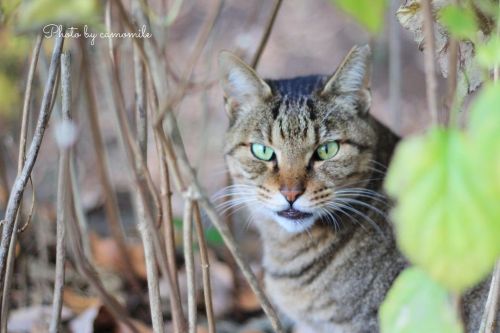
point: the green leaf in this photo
(370, 13)
(485, 130)
(416, 304)
(213, 237)
(488, 54)
(34, 14)
(447, 215)
(459, 21)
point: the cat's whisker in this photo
(354, 195)
(331, 216)
(381, 165)
(361, 203)
(362, 191)
(234, 211)
(233, 208)
(236, 201)
(248, 221)
(233, 194)
(348, 207)
(361, 181)
(338, 208)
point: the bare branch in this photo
(394, 66)
(177, 159)
(21, 157)
(430, 62)
(110, 201)
(21, 181)
(205, 269)
(267, 33)
(187, 228)
(144, 228)
(62, 198)
(488, 321)
(90, 274)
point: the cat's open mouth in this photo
(294, 214)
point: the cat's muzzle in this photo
(294, 214)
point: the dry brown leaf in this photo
(107, 255)
(141, 327)
(77, 302)
(247, 301)
(469, 74)
(201, 329)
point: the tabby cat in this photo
(308, 160)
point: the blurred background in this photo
(308, 37)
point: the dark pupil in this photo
(264, 150)
(326, 149)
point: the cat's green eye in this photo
(262, 152)
(328, 150)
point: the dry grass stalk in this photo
(178, 161)
(21, 181)
(144, 229)
(430, 61)
(141, 176)
(110, 200)
(205, 269)
(187, 230)
(20, 164)
(267, 32)
(62, 197)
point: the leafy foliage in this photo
(370, 13)
(459, 21)
(34, 14)
(417, 304)
(447, 216)
(488, 55)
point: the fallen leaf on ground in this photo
(107, 255)
(77, 302)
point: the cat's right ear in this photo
(243, 89)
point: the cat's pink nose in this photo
(291, 194)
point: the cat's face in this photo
(298, 149)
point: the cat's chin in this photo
(294, 225)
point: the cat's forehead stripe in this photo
(297, 88)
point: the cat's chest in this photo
(331, 280)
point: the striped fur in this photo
(330, 271)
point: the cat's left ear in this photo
(352, 77)
(243, 88)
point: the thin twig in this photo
(267, 33)
(21, 181)
(489, 320)
(144, 229)
(192, 61)
(451, 116)
(62, 197)
(20, 164)
(139, 175)
(430, 62)
(168, 222)
(140, 104)
(205, 269)
(87, 270)
(110, 201)
(176, 159)
(151, 268)
(187, 229)
(394, 66)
